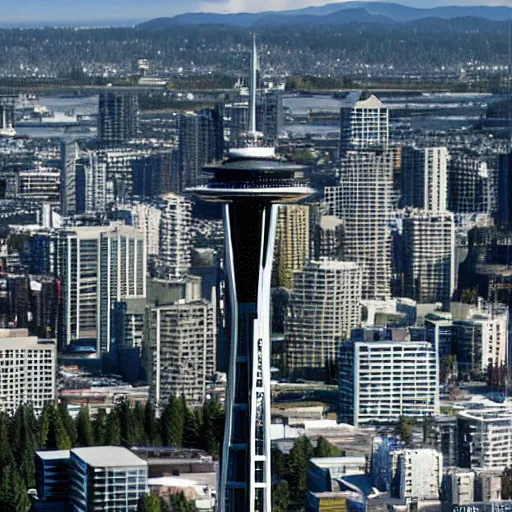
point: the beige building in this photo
(292, 245)
(27, 370)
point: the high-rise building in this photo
(324, 306)
(181, 344)
(428, 256)
(92, 175)
(250, 184)
(106, 478)
(146, 218)
(467, 183)
(385, 375)
(198, 145)
(68, 185)
(100, 265)
(292, 242)
(363, 200)
(328, 238)
(118, 119)
(425, 178)
(503, 212)
(364, 125)
(152, 175)
(28, 370)
(175, 236)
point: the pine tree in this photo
(213, 427)
(85, 436)
(325, 449)
(24, 443)
(149, 503)
(178, 503)
(299, 457)
(172, 423)
(113, 430)
(192, 428)
(281, 497)
(57, 438)
(13, 493)
(44, 425)
(138, 419)
(99, 427)
(6, 456)
(68, 423)
(151, 434)
(131, 428)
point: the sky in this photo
(131, 11)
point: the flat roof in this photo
(53, 454)
(329, 462)
(108, 457)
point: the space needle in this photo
(251, 182)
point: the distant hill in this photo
(340, 13)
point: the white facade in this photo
(175, 235)
(100, 265)
(364, 201)
(324, 307)
(462, 486)
(383, 380)
(28, 370)
(181, 342)
(421, 473)
(364, 125)
(425, 178)
(428, 255)
(146, 218)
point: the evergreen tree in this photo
(404, 429)
(325, 449)
(24, 443)
(139, 421)
(172, 423)
(85, 436)
(6, 456)
(99, 428)
(213, 427)
(281, 497)
(68, 423)
(506, 484)
(13, 493)
(113, 430)
(299, 457)
(192, 428)
(178, 503)
(149, 503)
(131, 428)
(279, 462)
(151, 434)
(57, 437)
(44, 425)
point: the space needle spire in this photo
(250, 183)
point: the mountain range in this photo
(336, 13)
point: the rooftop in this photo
(108, 457)
(54, 454)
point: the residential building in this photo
(328, 238)
(106, 478)
(28, 370)
(425, 178)
(324, 306)
(152, 175)
(118, 119)
(364, 125)
(146, 218)
(181, 345)
(100, 265)
(68, 185)
(364, 201)
(384, 375)
(175, 235)
(428, 256)
(292, 242)
(459, 487)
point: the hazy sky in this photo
(23, 11)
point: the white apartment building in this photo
(324, 306)
(175, 235)
(461, 486)
(181, 350)
(364, 125)
(421, 474)
(382, 379)
(486, 434)
(428, 256)
(100, 265)
(425, 178)
(28, 369)
(364, 201)
(146, 217)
